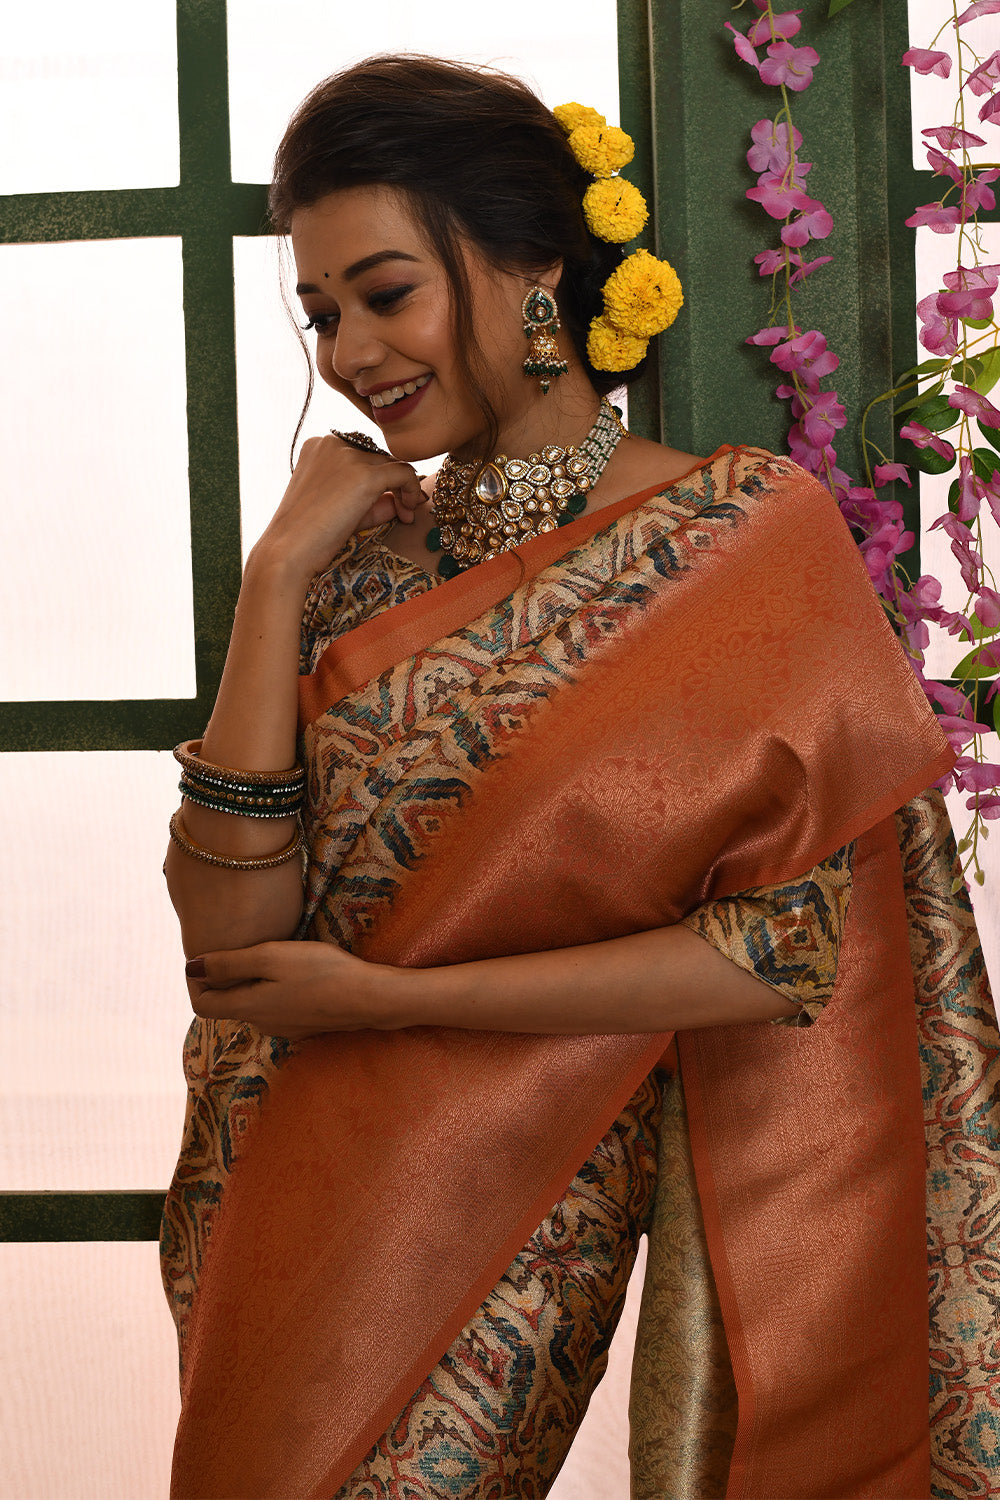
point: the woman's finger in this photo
(228, 967)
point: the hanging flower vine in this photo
(948, 393)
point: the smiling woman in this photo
(570, 780)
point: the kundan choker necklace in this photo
(513, 499)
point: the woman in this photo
(561, 802)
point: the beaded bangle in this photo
(230, 790)
(241, 807)
(187, 845)
(187, 753)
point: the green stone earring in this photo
(541, 324)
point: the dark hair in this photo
(473, 149)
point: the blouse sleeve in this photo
(787, 935)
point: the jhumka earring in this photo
(541, 324)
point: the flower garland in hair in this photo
(643, 295)
(955, 323)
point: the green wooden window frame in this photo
(689, 106)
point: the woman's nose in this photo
(356, 348)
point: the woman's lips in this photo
(402, 408)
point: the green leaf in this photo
(978, 322)
(929, 367)
(990, 373)
(970, 669)
(983, 632)
(985, 462)
(836, 6)
(931, 391)
(924, 459)
(935, 414)
(991, 434)
(967, 371)
(953, 495)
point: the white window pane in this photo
(91, 1089)
(94, 526)
(88, 1373)
(565, 55)
(88, 96)
(932, 99)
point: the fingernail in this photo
(195, 968)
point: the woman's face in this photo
(379, 301)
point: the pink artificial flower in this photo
(922, 437)
(787, 178)
(807, 354)
(986, 807)
(969, 561)
(805, 268)
(939, 334)
(971, 490)
(943, 219)
(881, 548)
(943, 165)
(961, 731)
(775, 28)
(790, 65)
(949, 698)
(985, 78)
(975, 775)
(771, 151)
(950, 137)
(770, 262)
(789, 393)
(883, 473)
(955, 623)
(813, 223)
(824, 417)
(970, 301)
(744, 48)
(990, 110)
(810, 455)
(977, 194)
(987, 611)
(972, 403)
(927, 62)
(769, 335)
(779, 199)
(978, 8)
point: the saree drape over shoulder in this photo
(676, 699)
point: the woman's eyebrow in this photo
(358, 267)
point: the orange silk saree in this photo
(675, 699)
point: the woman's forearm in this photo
(253, 728)
(665, 980)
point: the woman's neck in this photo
(562, 417)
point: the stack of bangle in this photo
(248, 794)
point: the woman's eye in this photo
(381, 300)
(322, 322)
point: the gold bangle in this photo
(188, 753)
(187, 845)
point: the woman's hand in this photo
(336, 490)
(293, 989)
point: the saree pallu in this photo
(681, 697)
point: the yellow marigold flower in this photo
(569, 116)
(601, 150)
(608, 348)
(614, 209)
(643, 296)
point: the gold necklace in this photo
(481, 510)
